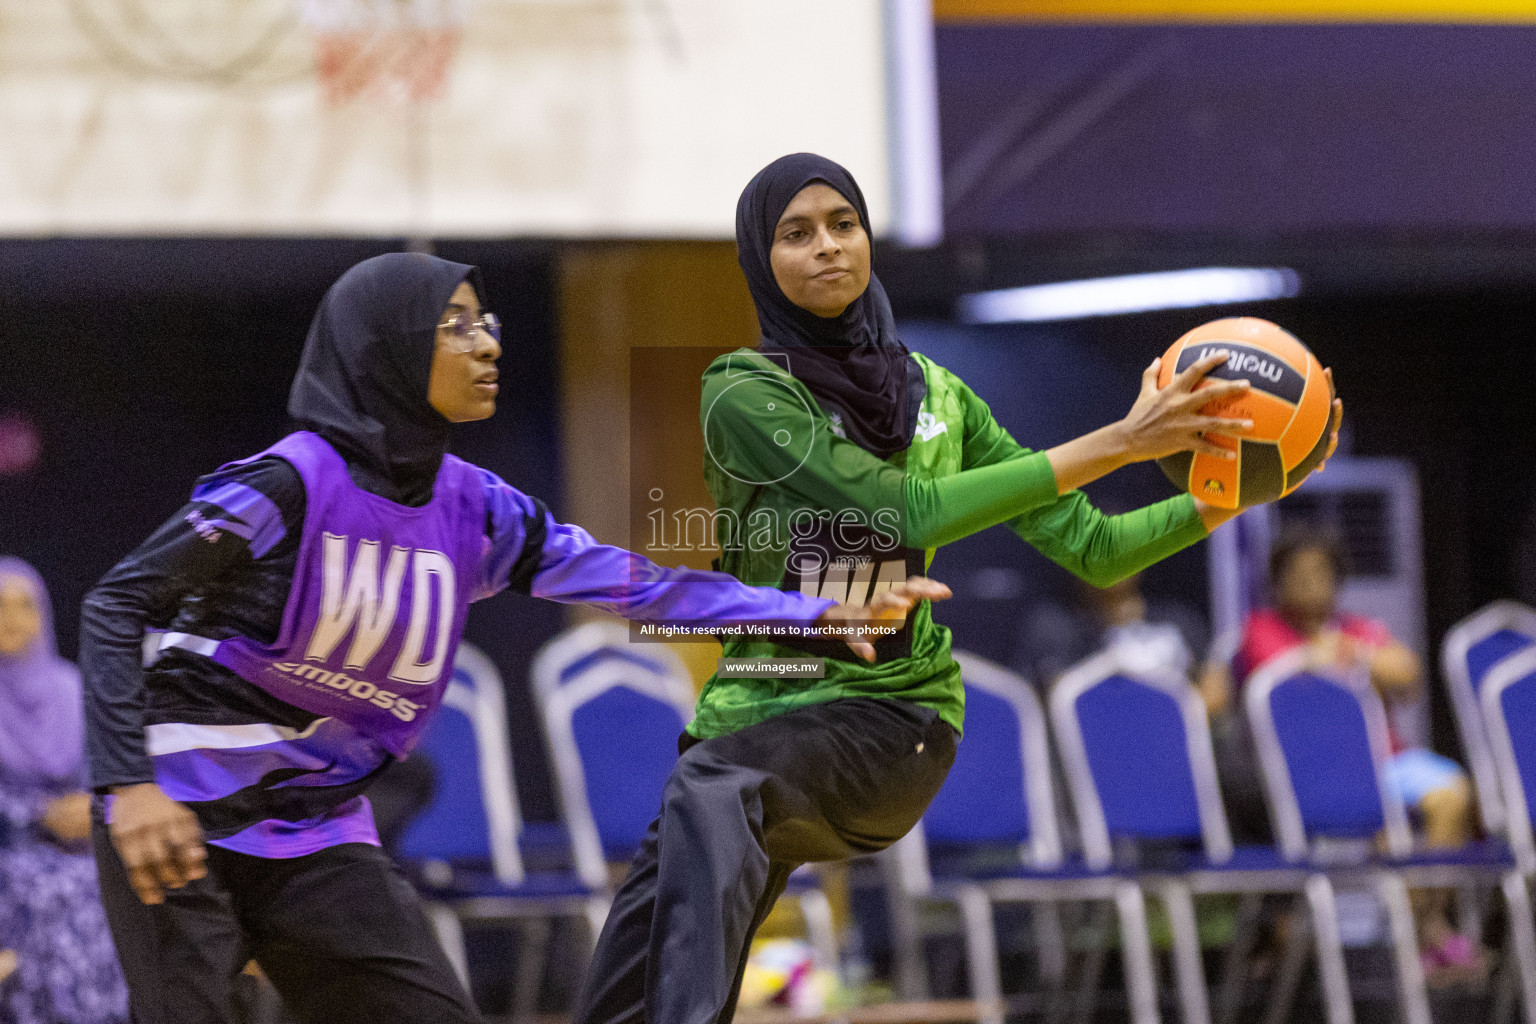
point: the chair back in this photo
(1472, 647)
(612, 713)
(473, 815)
(999, 789)
(1322, 741)
(1137, 752)
(1508, 698)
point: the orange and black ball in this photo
(1290, 402)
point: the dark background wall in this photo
(1250, 128)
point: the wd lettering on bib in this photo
(360, 602)
(378, 601)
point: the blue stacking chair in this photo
(1136, 747)
(612, 713)
(464, 848)
(1508, 699)
(1322, 741)
(1471, 648)
(998, 796)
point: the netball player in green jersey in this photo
(839, 463)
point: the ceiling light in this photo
(1133, 293)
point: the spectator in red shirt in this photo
(1306, 569)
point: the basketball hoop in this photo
(391, 51)
(222, 43)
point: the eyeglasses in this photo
(461, 328)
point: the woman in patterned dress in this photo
(50, 909)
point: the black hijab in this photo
(362, 381)
(852, 363)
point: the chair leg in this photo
(1136, 951)
(1085, 1007)
(906, 930)
(450, 935)
(1469, 911)
(1506, 993)
(981, 952)
(1412, 990)
(1051, 939)
(1282, 992)
(1189, 970)
(1234, 969)
(530, 969)
(1339, 1006)
(819, 929)
(1522, 934)
(1051, 943)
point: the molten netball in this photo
(1289, 403)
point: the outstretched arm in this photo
(747, 418)
(1161, 422)
(1104, 549)
(562, 562)
(1095, 547)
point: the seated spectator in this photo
(1306, 570)
(1054, 637)
(65, 967)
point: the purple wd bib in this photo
(378, 599)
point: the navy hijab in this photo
(852, 363)
(363, 377)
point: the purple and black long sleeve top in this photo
(266, 777)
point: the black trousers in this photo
(739, 814)
(340, 933)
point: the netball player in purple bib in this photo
(314, 596)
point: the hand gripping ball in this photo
(1290, 403)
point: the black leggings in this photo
(340, 933)
(739, 814)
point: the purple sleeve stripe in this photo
(244, 512)
(576, 569)
(229, 525)
(515, 542)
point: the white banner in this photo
(558, 117)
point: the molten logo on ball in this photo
(1245, 362)
(1290, 403)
